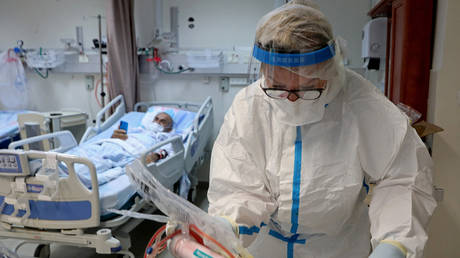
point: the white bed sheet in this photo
(115, 194)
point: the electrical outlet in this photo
(224, 84)
(89, 81)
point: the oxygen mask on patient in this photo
(194, 224)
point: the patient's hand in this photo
(152, 157)
(120, 134)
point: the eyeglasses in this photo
(305, 94)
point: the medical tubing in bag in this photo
(182, 246)
(180, 210)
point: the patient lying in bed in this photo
(162, 123)
(109, 156)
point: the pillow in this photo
(182, 119)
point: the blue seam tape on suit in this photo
(243, 230)
(295, 203)
(296, 181)
(296, 189)
(365, 185)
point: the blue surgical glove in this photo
(390, 249)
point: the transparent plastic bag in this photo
(413, 114)
(182, 211)
(184, 185)
(13, 90)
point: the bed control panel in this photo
(13, 163)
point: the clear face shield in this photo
(294, 74)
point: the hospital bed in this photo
(21, 124)
(9, 129)
(44, 207)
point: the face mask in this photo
(302, 112)
(154, 127)
(296, 113)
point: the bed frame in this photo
(106, 237)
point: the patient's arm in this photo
(120, 134)
(155, 156)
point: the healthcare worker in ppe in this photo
(289, 166)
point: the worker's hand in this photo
(120, 134)
(389, 249)
(171, 227)
(229, 224)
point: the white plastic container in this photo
(45, 58)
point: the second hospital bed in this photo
(46, 208)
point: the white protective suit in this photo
(298, 190)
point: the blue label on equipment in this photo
(201, 254)
(10, 163)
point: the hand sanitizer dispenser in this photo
(374, 43)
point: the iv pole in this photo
(101, 64)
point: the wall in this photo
(347, 19)
(444, 108)
(42, 24)
(213, 29)
(216, 22)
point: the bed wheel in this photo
(42, 251)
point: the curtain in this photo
(123, 67)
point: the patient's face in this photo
(164, 120)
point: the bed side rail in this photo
(62, 141)
(169, 170)
(190, 106)
(205, 110)
(200, 134)
(177, 146)
(101, 125)
(45, 190)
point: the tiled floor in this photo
(139, 239)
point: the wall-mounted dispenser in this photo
(374, 43)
